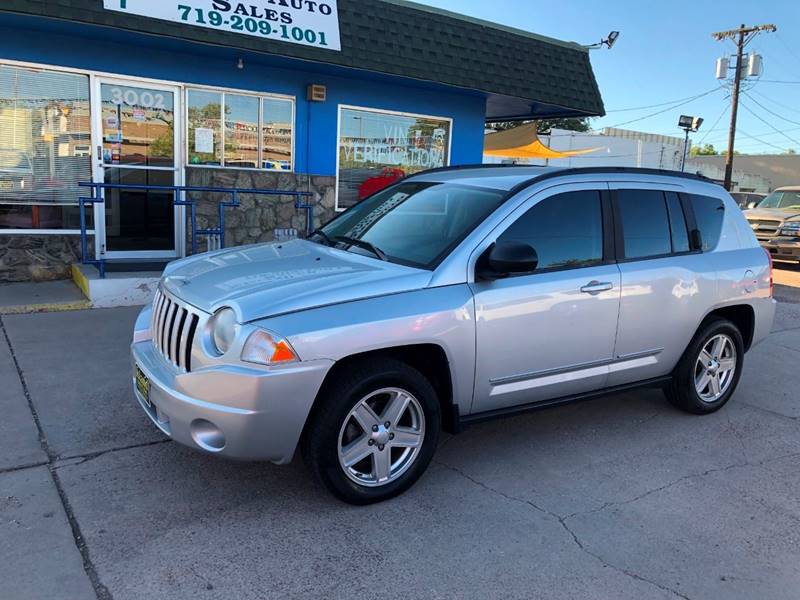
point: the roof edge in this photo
(490, 24)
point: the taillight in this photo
(771, 272)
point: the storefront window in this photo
(277, 134)
(378, 148)
(224, 130)
(45, 147)
(205, 127)
(241, 131)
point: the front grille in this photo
(173, 327)
(765, 227)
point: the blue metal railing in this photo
(179, 193)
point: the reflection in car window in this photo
(709, 213)
(566, 230)
(413, 223)
(677, 223)
(645, 225)
(781, 200)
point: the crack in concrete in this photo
(23, 467)
(100, 590)
(774, 413)
(562, 521)
(63, 460)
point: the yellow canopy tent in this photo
(523, 142)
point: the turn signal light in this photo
(264, 348)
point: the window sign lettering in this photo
(306, 22)
(378, 148)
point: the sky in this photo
(665, 52)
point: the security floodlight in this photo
(690, 123)
(608, 42)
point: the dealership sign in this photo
(306, 22)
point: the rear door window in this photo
(709, 213)
(645, 223)
(677, 223)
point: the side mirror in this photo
(696, 239)
(505, 259)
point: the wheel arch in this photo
(741, 315)
(429, 359)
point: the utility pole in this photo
(741, 37)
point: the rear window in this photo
(709, 213)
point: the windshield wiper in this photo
(362, 244)
(328, 241)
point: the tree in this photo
(545, 125)
(790, 151)
(704, 150)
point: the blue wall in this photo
(102, 49)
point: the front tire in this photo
(708, 373)
(374, 431)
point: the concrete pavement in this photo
(619, 498)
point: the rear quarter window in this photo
(709, 213)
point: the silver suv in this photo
(451, 297)
(776, 223)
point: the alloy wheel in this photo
(715, 368)
(381, 437)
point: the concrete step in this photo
(118, 288)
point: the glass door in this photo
(138, 129)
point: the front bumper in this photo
(782, 247)
(231, 410)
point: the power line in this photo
(771, 112)
(752, 137)
(719, 118)
(784, 106)
(779, 81)
(692, 99)
(616, 110)
(768, 124)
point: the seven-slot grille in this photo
(765, 228)
(173, 328)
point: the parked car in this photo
(16, 174)
(746, 200)
(776, 223)
(451, 297)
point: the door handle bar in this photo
(595, 287)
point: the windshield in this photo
(412, 223)
(781, 200)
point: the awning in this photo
(523, 142)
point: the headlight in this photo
(264, 348)
(790, 228)
(224, 330)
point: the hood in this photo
(772, 213)
(269, 279)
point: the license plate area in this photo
(143, 387)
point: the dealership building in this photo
(333, 99)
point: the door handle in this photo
(595, 287)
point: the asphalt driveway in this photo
(618, 498)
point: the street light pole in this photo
(685, 150)
(742, 37)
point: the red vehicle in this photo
(375, 184)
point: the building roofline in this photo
(484, 23)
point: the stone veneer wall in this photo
(37, 257)
(47, 257)
(258, 216)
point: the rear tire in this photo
(374, 431)
(708, 373)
